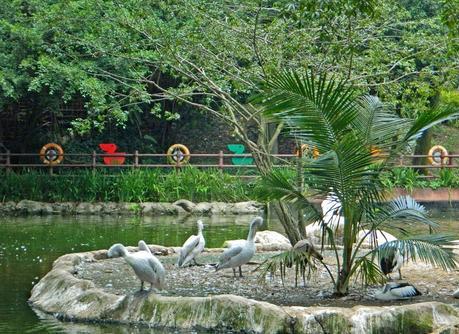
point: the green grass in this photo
(126, 186)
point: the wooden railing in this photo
(219, 160)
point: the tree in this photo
(347, 129)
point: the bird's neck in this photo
(252, 233)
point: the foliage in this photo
(304, 264)
(345, 128)
(126, 186)
(409, 179)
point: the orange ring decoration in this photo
(178, 151)
(435, 155)
(51, 154)
(304, 150)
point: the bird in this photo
(192, 247)
(394, 291)
(146, 266)
(305, 246)
(391, 261)
(240, 253)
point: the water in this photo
(29, 245)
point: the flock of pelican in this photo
(149, 269)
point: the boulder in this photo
(185, 204)
(271, 241)
(377, 238)
(33, 207)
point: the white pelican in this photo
(146, 266)
(305, 246)
(192, 247)
(393, 291)
(240, 253)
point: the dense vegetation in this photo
(167, 185)
(126, 186)
(141, 65)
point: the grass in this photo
(126, 186)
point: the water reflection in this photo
(28, 247)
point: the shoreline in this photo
(438, 200)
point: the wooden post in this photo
(136, 159)
(300, 185)
(94, 156)
(220, 160)
(8, 161)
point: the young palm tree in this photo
(356, 137)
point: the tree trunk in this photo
(423, 145)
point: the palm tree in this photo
(356, 137)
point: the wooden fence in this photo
(221, 160)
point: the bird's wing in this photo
(187, 248)
(230, 253)
(143, 246)
(191, 242)
(155, 264)
(404, 290)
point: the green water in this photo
(28, 247)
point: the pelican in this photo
(393, 291)
(241, 253)
(305, 246)
(192, 247)
(146, 266)
(391, 262)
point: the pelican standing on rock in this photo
(394, 291)
(241, 253)
(146, 266)
(192, 247)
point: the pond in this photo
(29, 245)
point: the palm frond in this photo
(309, 107)
(399, 211)
(428, 119)
(377, 124)
(303, 263)
(368, 272)
(428, 249)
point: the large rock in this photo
(33, 207)
(265, 241)
(369, 240)
(271, 241)
(65, 296)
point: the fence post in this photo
(8, 161)
(94, 155)
(300, 185)
(136, 159)
(220, 160)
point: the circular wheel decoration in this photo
(435, 155)
(178, 153)
(305, 150)
(51, 154)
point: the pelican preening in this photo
(391, 262)
(241, 253)
(192, 247)
(394, 291)
(146, 266)
(305, 246)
